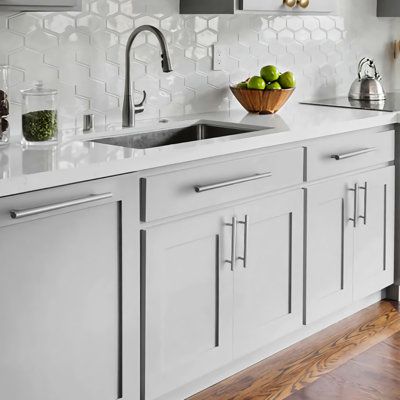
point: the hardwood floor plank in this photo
(374, 374)
(292, 369)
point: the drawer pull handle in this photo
(205, 188)
(17, 214)
(365, 189)
(245, 239)
(233, 225)
(355, 202)
(339, 157)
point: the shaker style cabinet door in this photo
(268, 299)
(188, 300)
(330, 207)
(374, 235)
(61, 308)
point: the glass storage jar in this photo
(4, 106)
(39, 115)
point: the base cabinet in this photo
(268, 287)
(349, 242)
(189, 289)
(63, 317)
(202, 311)
(329, 247)
(374, 234)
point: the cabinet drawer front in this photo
(63, 199)
(348, 152)
(191, 189)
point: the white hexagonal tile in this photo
(302, 35)
(120, 23)
(277, 24)
(10, 41)
(25, 59)
(196, 52)
(197, 24)
(195, 80)
(104, 7)
(172, 83)
(318, 34)
(58, 23)
(326, 23)
(104, 39)
(218, 79)
(207, 37)
(91, 22)
(184, 66)
(24, 23)
(294, 23)
(40, 40)
(74, 74)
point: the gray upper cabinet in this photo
(262, 6)
(388, 8)
(41, 5)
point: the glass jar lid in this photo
(38, 90)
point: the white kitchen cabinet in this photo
(374, 235)
(41, 5)
(350, 240)
(201, 311)
(329, 247)
(268, 287)
(69, 301)
(188, 300)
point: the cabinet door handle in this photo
(344, 156)
(205, 188)
(365, 188)
(246, 240)
(354, 219)
(17, 214)
(233, 225)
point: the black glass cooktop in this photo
(392, 103)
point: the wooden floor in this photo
(358, 358)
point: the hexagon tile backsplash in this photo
(82, 54)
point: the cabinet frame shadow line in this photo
(143, 241)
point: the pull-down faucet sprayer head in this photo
(166, 62)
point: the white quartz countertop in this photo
(77, 159)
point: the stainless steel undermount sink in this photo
(191, 133)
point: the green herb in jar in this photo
(39, 126)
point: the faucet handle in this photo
(139, 108)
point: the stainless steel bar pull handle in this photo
(365, 188)
(205, 188)
(344, 156)
(354, 219)
(246, 240)
(233, 225)
(17, 214)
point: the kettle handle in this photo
(371, 64)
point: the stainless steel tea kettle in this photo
(368, 86)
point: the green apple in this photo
(270, 73)
(287, 80)
(273, 86)
(256, 82)
(242, 85)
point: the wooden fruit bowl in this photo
(262, 101)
